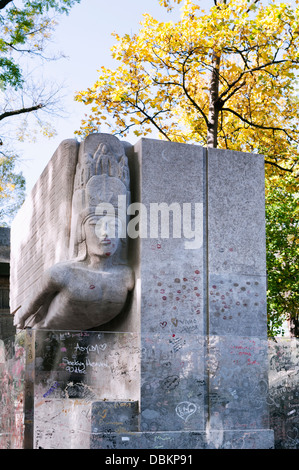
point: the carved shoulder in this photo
(57, 276)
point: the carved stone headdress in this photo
(102, 174)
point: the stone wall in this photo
(41, 230)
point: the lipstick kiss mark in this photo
(92, 286)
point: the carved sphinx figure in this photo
(90, 288)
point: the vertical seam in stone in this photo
(206, 267)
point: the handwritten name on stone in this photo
(80, 367)
(96, 364)
(97, 348)
(185, 409)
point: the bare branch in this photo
(21, 111)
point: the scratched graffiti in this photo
(172, 383)
(185, 409)
(79, 385)
(238, 368)
(76, 370)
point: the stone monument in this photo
(90, 287)
(140, 297)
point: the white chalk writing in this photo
(97, 348)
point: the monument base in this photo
(220, 439)
(99, 390)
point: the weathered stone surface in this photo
(237, 305)
(238, 382)
(41, 230)
(236, 213)
(252, 439)
(197, 364)
(171, 270)
(173, 399)
(91, 287)
(114, 416)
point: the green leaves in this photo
(282, 229)
(23, 30)
(10, 73)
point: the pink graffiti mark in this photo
(92, 286)
(249, 362)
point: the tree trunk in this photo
(214, 107)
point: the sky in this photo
(84, 36)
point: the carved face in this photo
(102, 235)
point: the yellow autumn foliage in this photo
(163, 80)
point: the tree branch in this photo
(21, 111)
(278, 166)
(254, 69)
(3, 3)
(147, 116)
(259, 126)
(231, 94)
(189, 96)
